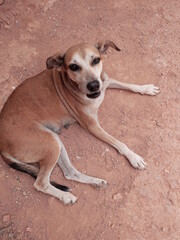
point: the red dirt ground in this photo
(137, 205)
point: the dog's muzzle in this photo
(93, 87)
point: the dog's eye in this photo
(95, 61)
(74, 67)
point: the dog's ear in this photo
(56, 61)
(104, 45)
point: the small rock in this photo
(7, 27)
(78, 157)
(10, 235)
(106, 150)
(28, 229)
(157, 124)
(111, 225)
(117, 196)
(166, 170)
(24, 193)
(6, 218)
(29, 29)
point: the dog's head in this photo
(83, 64)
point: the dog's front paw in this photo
(68, 198)
(137, 161)
(149, 89)
(99, 183)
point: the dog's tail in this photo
(29, 169)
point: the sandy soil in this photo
(137, 205)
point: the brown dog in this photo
(70, 90)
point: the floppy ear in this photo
(56, 61)
(104, 45)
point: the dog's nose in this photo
(93, 86)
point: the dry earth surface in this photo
(137, 205)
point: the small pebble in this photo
(7, 27)
(117, 196)
(10, 235)
(24, 193)
(78, 157)
(111, 225)
(6, 218)
(106, 150)
(28, 229)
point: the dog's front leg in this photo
(135, 160)
(149, 89)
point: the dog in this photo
(70, 90)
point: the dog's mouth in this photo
(93, 95)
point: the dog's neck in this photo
(68, 97)
(73, 88)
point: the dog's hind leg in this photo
(46, 164)
(71, 173)
(43, 184)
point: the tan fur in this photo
(41, 106)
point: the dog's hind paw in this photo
(68, 198)
(137, 161)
